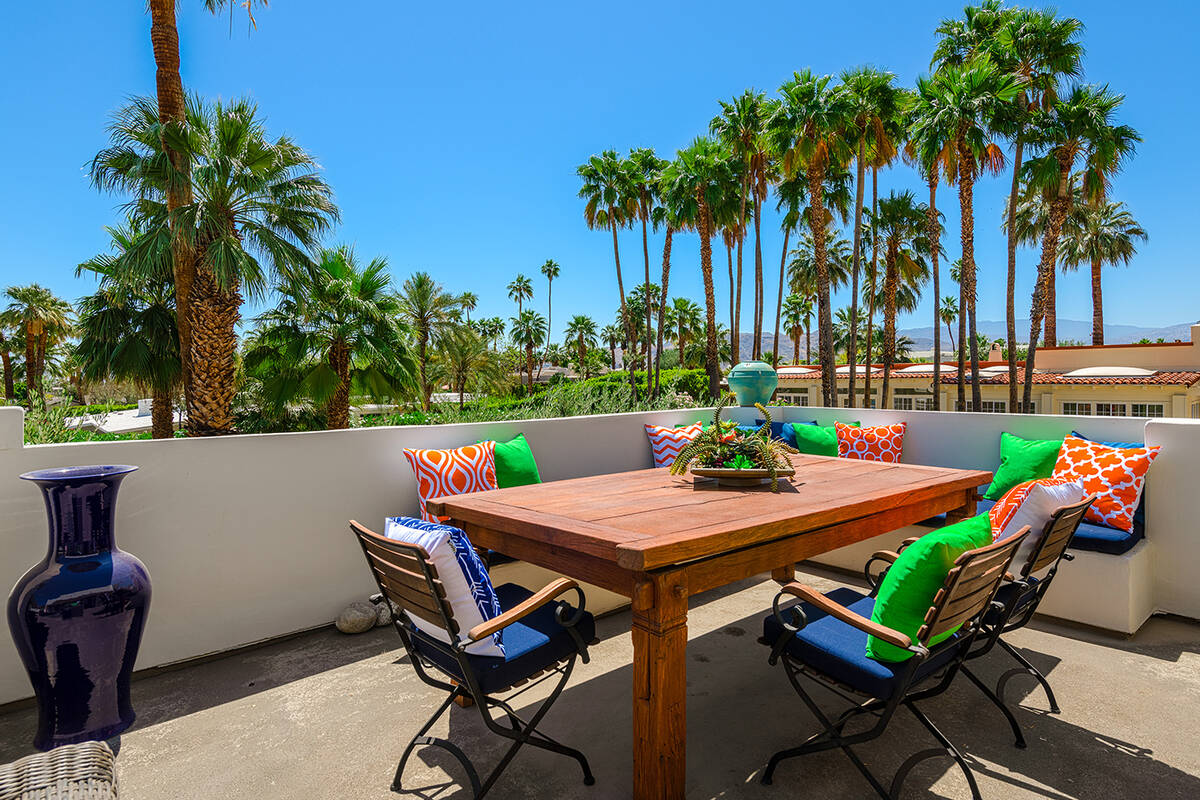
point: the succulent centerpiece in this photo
(735, 457)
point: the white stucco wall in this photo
(245, 537)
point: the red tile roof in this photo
(1178, 378)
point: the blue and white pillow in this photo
(469, 591)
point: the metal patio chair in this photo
(824, 638)
(544, 636)
(1019, 597)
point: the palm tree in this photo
(492, 329)
(44, 319)
(688, 321)
(807, 132)
(1078, 129)
(948, 315)
(128, 331)
(582, 329)
(467, 301)
(612, 335)
(520, 289)
(674, 203)
(9, 334)
(964, 102)
(609, 204)
(334, 332)
(551, 270)
(699, 171)
(644, 169)
(253, 199)
(739, 127)
(790, 204)
(1098, 234)
(802, 269)
(796, 311)
(903, 228)
(529, 332)
(430, 311)
(466, 360)
(873, 102)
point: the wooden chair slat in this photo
(406, 578)
(969, 587)
(411, 597)
(429, 616)
(398, 555)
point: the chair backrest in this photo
(970, 586)
(407, 578)
(1056, 536)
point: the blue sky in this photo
(451, 133)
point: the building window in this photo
(793, 399)
(993, 406)
(1151, 410)
(1195, 410)
(1111, 409)
(902, 403)
(924, 404)
(1075, 409)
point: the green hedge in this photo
(99, 408)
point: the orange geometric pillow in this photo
(878, 443)
(1116, 475)
(667, 442)
(447, 472)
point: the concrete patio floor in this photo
(325, 715)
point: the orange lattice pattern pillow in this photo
(447, 472)
(1116, 475)
(876, 443)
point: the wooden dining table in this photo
(659, 539)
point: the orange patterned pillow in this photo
(447, 472)
(1116, 475)
(667, 442)
(878, 443)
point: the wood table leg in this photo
(660, 686)
(967, 510)
(784, 575)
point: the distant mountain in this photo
(1078, 330)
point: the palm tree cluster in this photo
(1003, 95)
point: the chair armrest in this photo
(906, 543)
(815, 598)
(549, 592)
(886, 556)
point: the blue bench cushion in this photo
(532, 643)
(1089, 536)
(1009, 592)
(840, 651)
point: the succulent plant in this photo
(723, 445)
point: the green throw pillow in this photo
(515, 465)
(1022, 460)
(818, 440)
(910, 584)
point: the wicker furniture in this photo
(73, 772)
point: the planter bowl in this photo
(741, 477)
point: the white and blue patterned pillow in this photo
(469, 591)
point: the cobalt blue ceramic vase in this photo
(753, 382)
(77, 617)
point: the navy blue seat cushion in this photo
(840, 651)
(532, 643)
(1089, 535)
(1008, 593)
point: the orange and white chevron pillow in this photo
(448, 472)
(1116, 475)
(667, 442)
(876, 443)
(1032, 503)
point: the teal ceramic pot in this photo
(753, 382)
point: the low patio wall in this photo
(245, 537)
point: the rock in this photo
(385, 614)
(357, 617)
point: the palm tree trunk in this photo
(732, 301)
(759, 296)
(529, 365)
(162, 423)
(779, 300)
(824, 312)
(735, 324)
(164, 39)
(649, 308)
(31, 382)
(214, 314)
(889, 323)
(1097, 304)
(950, 333)
(1010, 308)
(1037, 310)
(10, 389)
(852, 350)
(1051, 309)
(966, 201)
(549, 319)
(795, 346)
(808, 339)
(337, 410)
(874, 273)
(933, 233)
(625, 320)
(712, 363)
(962, 343)
(662, 311)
